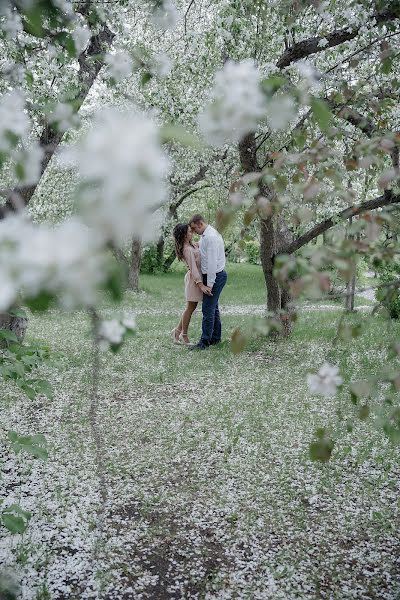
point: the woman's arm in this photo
(190, 260)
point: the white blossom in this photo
(112, 331)
(129, 321)
(14, 122)
(10, 22)
(66, 261)
(166, 15)
(29, 161)
(124, 169)
(64, 117)
(237, 104)
(81, 36)
(161, 65)
(119, 65)
(325, 382)
(280, 111)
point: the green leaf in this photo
(35, 445)
(15, 519)
(272, 84)
(44, 387)
(18, 312)
(145, 77)
(321, 113)
(321, 449)
(176, 133)
(6, 334)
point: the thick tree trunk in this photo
(267, 251)
(17, 325)
(134, 269)
(160, 249)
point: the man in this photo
(212, 254)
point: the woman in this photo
(188, 252)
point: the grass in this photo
(211, 493)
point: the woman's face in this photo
(189, 234)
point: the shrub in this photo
(389, 297)
(253, 252)
(150, 260)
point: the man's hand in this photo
(206, 289)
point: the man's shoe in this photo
(198, 347)
(215, 342)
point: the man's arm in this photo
(211, 260)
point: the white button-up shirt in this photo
(212, 254)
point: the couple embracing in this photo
(204, 281)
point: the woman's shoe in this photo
(176, 340)
(182, 341)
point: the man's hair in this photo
(197, 219)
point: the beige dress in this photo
(191, 254)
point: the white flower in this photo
(14, 122)
(166, 15)
(310, 77)
(325, 382)
(10, 22)
(280, 111)
(124, 170)
(129, 321)
(8, 290)
(237, 104)
(66, 261)
(323, 42)
(29, 162)
(64, 117)
(161, 65)
(119, 65)
(111, 331)
(81, 36)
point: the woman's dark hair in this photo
(179, 234)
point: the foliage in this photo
(252, 249)
(151, 262)
(389, 297)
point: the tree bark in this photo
(134, 269)
(17, 325)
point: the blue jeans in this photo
(211, 327)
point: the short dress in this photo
(191, 254)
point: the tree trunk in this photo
(17, 325)
(134, 270)
(350, 294)
(267, 251)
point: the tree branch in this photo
(335, 38)
(388, 198)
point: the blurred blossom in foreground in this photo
(165, 15)
(325, 382)
(124, 170)
(65, 261)
(236, 106)
(14, 122)
(119, 65)
(113, 331)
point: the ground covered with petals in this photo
(210, 492)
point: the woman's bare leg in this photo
(186, 317)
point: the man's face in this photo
(198, 227)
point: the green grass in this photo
(211, 490)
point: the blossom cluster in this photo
(65, 261)
(123, 170)
(236, 106)
(113, 331)
(325, 382)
